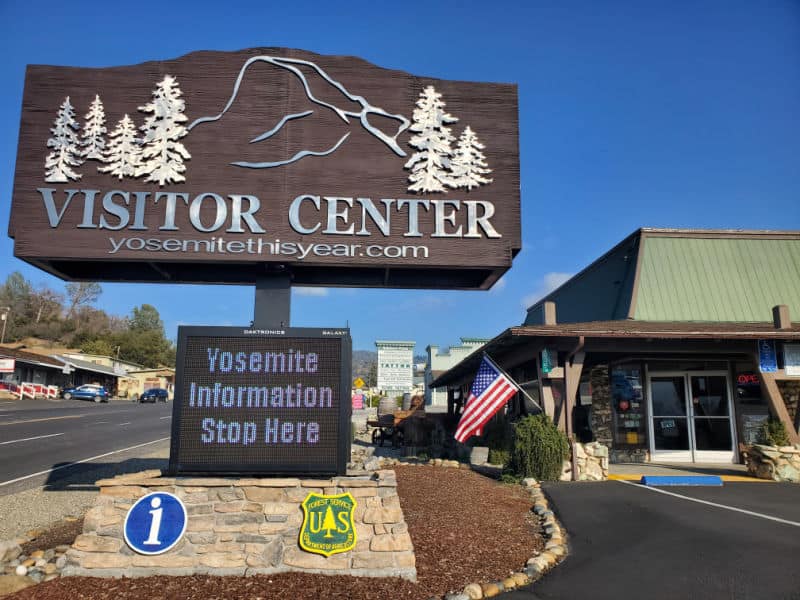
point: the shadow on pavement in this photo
(82, 477)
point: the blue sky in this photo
(660, 114)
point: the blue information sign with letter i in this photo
(155, 523)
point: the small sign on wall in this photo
(7, 365)
(767, 357)
(791, 359)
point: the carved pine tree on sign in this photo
(93, 143)
(66, 152)
(124, 153)
(163, 154)
(430, 165)
(469, 164)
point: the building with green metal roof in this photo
(676, 345)
(711, 276)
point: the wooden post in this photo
(545, 393)
(572, 374)
(769, 388)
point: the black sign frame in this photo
(345, 407)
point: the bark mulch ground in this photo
(465, 528)
(62, 532)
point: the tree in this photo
(15, 293)
(82, 293)
(93, 143)
(144, 340)
(328, 522)
(469, 164)
(430, 165)
(146, 318)
(98, 346)
(124, 156)
(66, 153)
(48, 303)
(163, 154)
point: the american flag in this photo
(490, 391)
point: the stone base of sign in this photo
(245, 526)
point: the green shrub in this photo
(539, 449)
(509, 478)
(422, 456)
(499, 457)
(775, 433)
(497, 435)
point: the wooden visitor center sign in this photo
(220, 167)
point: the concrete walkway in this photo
(635, 471)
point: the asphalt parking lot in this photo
(737, 541)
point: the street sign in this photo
(155, 523)
(358, 383)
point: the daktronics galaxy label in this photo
(269, 403)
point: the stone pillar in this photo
(601, 406)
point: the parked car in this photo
(154, 395)
(86, 392)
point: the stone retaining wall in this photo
(245, 526)
(774, 462)
(591, 461)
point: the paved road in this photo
(629, 542)
(41, 439)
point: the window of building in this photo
(629, 423)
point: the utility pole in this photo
(4, 310)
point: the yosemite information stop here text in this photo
(259, 402)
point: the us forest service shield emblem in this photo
(328, 526)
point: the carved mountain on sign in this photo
(316, 83)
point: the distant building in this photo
(119, 366)
(438, 363)
(135, 382)
(395, 366)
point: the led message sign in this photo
(206, 167)
(258, 401)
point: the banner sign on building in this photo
(767, 356)
(261, 401)
(205, 167)
(7, 365)
(395, 366)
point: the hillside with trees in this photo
(69, 319)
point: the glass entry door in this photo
(690, 417)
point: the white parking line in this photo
(707, 503)
(128, 423)
(99, 422)
(167, 417)
(78, 462)
(38, 437)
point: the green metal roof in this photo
(689, 277)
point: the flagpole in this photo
(519, 387)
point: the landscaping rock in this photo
(473, 591)
(9, 550)
(14, 583)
